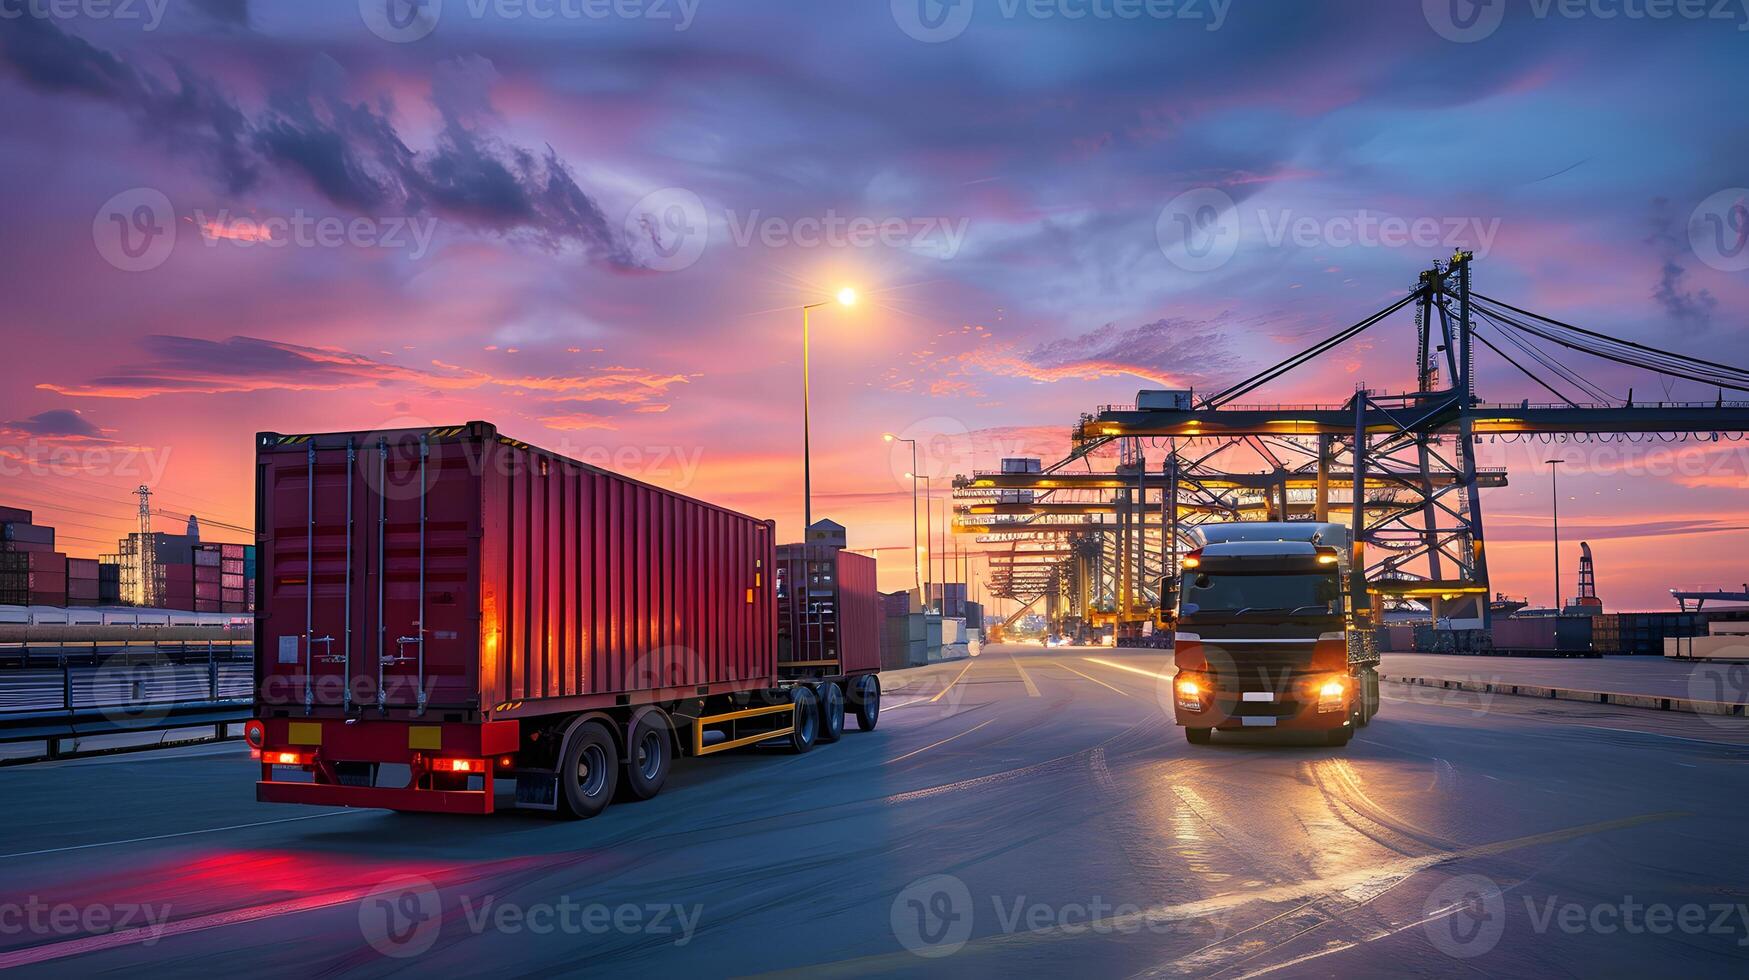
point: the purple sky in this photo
(592, 223)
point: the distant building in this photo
(827, 532)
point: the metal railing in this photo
(55, 693)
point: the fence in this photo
(57, 692)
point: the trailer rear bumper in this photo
(376, 797)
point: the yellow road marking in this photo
(1031, 688)
(1133, 670)
(1091, 678)
(951, 683)
(944, 741)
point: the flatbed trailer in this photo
(445, 610)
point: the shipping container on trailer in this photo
(445, 610)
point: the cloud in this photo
(1168, 351)
(60, 424)
(349, 152)
(1693, 307)
(191, 365)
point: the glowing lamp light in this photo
(847, 296)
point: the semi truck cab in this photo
(1269, 635)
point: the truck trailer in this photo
(445, 610)
(1270, 635)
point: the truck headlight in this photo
(1190, 693)
(1330, 694)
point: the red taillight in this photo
(1193, 559)
(285, 758)
(462, 765)
(255, 733)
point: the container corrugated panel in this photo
(543, 577)
(859, 608)
(14, 515)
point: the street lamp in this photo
(846, 297)
(1555, 506)
(916, 553)
(929, 527)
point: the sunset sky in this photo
(596, 232)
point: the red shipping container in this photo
(82, 568)
(14, 515)
(230, 551)
(828, 611)
(58, 598)
(526, 575)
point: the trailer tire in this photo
(588, 771)
(865, 700)
(649, 753)
(831, 698)
(1198, 736)
(805, 725)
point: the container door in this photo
(308, 629)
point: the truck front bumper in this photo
(1297, 703)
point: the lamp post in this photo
(916, 555)
(929, 531)
(846, 297)
(1555, 507)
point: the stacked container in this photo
(32, 572)
(828, 611)
(82, 582)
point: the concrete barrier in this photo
(1650, 702)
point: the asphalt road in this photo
(1025, 813)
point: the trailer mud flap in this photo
(537, 790)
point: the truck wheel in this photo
(588, 771)
(649, 754)
(807, 719)
(1338, 737)
(1198, 736)
(831, 712)
(865, 700)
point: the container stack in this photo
(32, 572)
(108, 583)
(82, 582)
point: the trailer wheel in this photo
(588, 771)
(831, 712)
(1198, 736)
(806, 724)
(649, 754)
(865, 700)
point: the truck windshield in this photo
(1304, 593)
